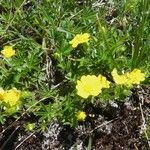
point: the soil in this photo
(118, 126)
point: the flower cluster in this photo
(91, 85)
(129, 78)
(10, 97)
(8, 51)
(79, 39)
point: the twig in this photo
(135, 146)
(24, 141)
(144, 125)
(1, 148)
(103, 124)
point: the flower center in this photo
(88, 88)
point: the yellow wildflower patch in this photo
(11, 96)
(130, 78)
(79, 39)
(88, 85)
(81, 115)
(8, 51)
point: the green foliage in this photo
(148, 129)
(46, 67)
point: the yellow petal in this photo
(79, 39)
(81, 115)
(8, 51)
(11, 96)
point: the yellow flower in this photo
(11, 96)
(81, 115)
(88, 85)
(135, 77)
(79, 38)
(104, 82)
(128, 79)
(1, 93)
(8, 51)
(119, 79)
